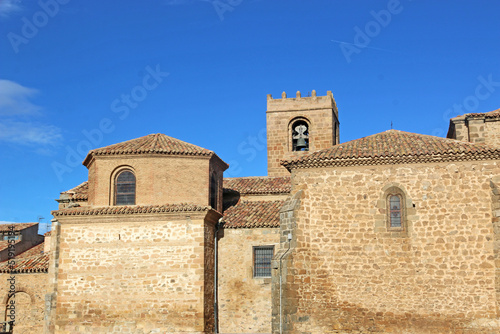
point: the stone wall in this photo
(133, 273)
(475, 130)
(492, 132)
(322, 116)
(349, 273)
(244, 301)
(29, 301)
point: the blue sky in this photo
(76, 75)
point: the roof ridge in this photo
(395, 146)
(152, 143)
(488, 114)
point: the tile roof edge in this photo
(487, 114)
(138, 209)
(395, 159)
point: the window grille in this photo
(125, 188)
(262, 257)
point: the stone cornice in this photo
(131, 210)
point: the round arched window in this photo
(125, 188)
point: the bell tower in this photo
(297, 126)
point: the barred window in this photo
(262, 256)
(125, 188)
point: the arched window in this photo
(395, 211)
(125, 188)
(23, 314)
(300, 136)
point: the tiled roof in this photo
(253, 214)
(47, 234)
(33, 264)
(5, 243)
(124, 210)
(392, 147)
(37, 250)
(489, 114)
(156, 143)
(80, 192)
(17, 226)
(258, 185)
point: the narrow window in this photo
(300, 136)
(125, 188)
(262, 257)
(395, 211)
(213, 191)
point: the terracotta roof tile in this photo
(258, 185)
(79, 193)
(395, 146)
(124, 210)
(17, 226)
(47, 234)
(156, 143)
(253, 214)
(5, 243)
(33, 264)
(489, 114)
(37, 250)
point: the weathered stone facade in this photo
(347, 272)
(134, 273)
(476, 128)
(244, 300)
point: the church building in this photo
(395, 232)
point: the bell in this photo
(301, 143)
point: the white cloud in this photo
(14, 99)
(29, 133)
(16, 118)
(3, 222)
(8, 7)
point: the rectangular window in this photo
(11, 237)
(262, 256)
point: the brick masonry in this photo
(160, 179)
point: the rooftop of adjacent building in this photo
(15, 226)
(30, 260)
(394, 146)
(489, 114)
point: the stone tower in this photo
(297, 126)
